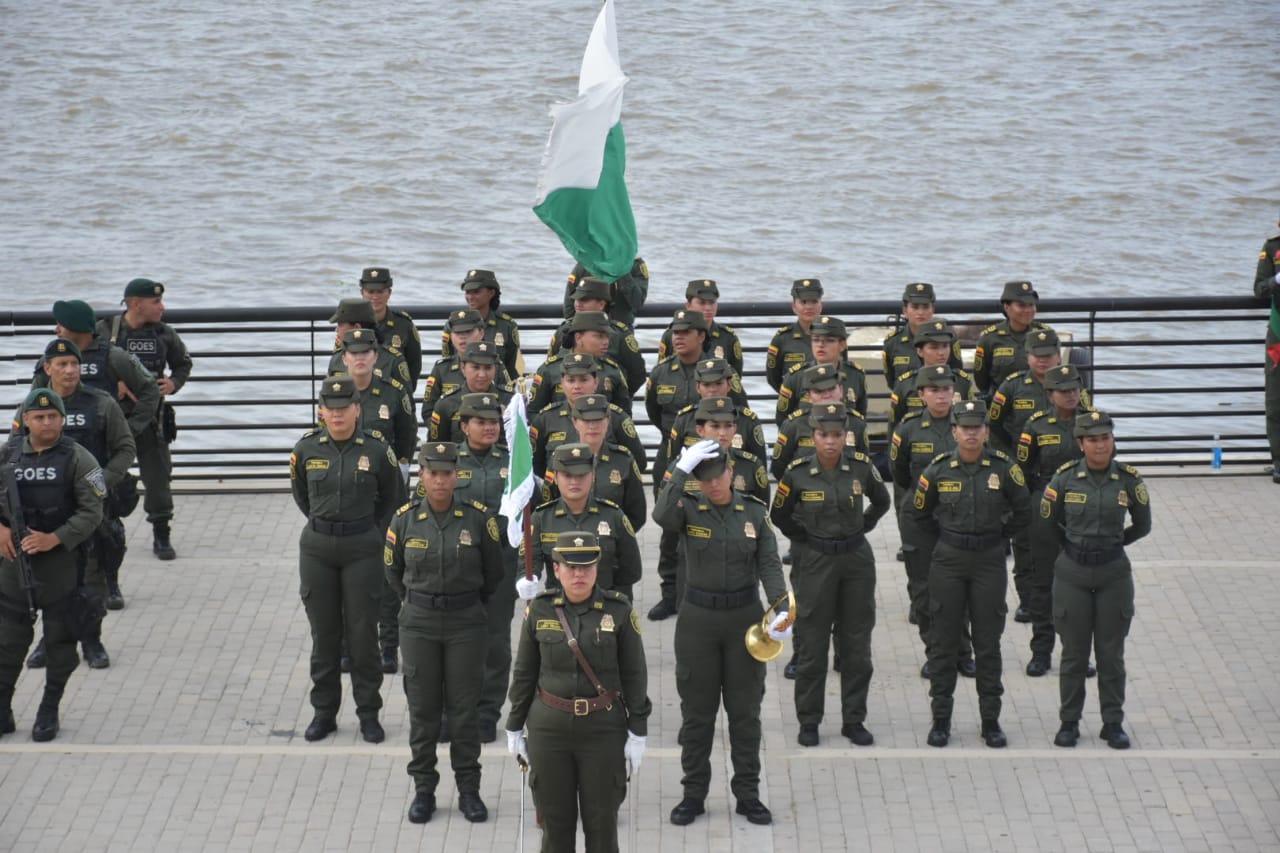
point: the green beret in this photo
(144, 287)
(61, 346)
(481, 405)
(43, 398)
(576, 548)
(355, 310)
(359, 340)
(688, 320)
(438, 456)
(476, 279)
(75, 315)
(969, 413)
(338, 392)
(591, 407)
(1093, 423)
(919, 291)
(375, 278)
(806, 288)
(1019, 291)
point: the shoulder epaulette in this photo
(505, 316)
(618, 448)
(1000, 454)
(893, 335)
(604, 359)
(1129, 469)
(607, 502)
(994, 327)
(746, 410)
(796, 368)
(902, 377)
(552, 359)
(727, 328)
(861, 457)
(477, 505)
(746, 454)
(914, 415)
(940, 457)
(803, 460)
(960, 371)
(1065, 465)
(614, 595)
(688, 408)
(550, 593)
(614, 407)
(798, 413)
(1037, 416)
(549, 407)
(545, 504)
(782, 330)
(405, 508)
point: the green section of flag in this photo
(520, 484)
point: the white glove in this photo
(634, 752)
(528, 589)
(696, 453)
(517, 747)
(1278, 278)
(778, 633)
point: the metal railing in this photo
(1178, 373)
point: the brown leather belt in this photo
(578, 706)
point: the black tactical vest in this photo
(84, 426)
(145, 343)
(94, 371)
(45, 487)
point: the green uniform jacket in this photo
(118, 447)
(608, 634)
(813, 502)
(900, 356)
(345, 481)
(1046, 444)
(722, 342)
(398, 330)
(386, 413)
(547, 388)
(1264, 281)
(620, 561)
(624, 349)
(795, 438)
(120, 367)
(999, 353)
(749, 476)
(852, 378)
(916, 442)
(790, 347)
(684, 432)
(446, 423)
(672, 386)
(617, 481)
(446, 377)
(726, 548)
(1019, 397)
(89, 487)
(459, 552)
(988, 496)
(553, 426)
(1089, 510)
(175, 350)
(390, 365)
(904, 398)
(482, 475)
(501, 330)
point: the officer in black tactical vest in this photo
(59, 491)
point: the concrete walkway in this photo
(192, 740)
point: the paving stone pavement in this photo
(192, 740)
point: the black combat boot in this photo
(114, 600)
(46, 727)
(38, 657)
(160, 546)
(95, 654)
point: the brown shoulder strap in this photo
(577, 653)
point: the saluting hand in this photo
(694, 454)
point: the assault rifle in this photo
(11, 502)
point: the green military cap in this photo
(715, 409)
(938, 376)
(465, 319)
(1019, 291)
(919, 291)
(702, 288)
(359, 340)
(476, 279)
(572, 458)
(355, 310)
(935, 331)
(338, 392)
(480, 352)
(806, 288)
(1093, 423)
(61, 346)
(591, 407)
(481, 405)
(712, 370)
(819, 377)
(969, 413)
(143, 287)
(688, 320)
(589, 321)
(375, 278)
(576, 548)
(1042, 342)
(591, 287)
(74, 315)
(713, 466)
(580, 363)
(1064, 378)
(43, 398)
(438, 456)
(831, 327)
(829, 416)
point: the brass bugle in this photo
(760, 645)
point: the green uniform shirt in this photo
(345, 480)
(904, 398)
(795, 437)
(399, 332)
(672, 386)
(816, 502)
(501, 330)
(749, 476)
(446, 422)
(852, 378)
(1047, 443)
(789, 348)
(553, 426)
(999, 353)
(1089, 508)
(624, 349)
(620, 562)
(547, 388)
(617, 481)
(722, 342)
(449, 553)
(608, 635)
(985, 497)
(726, 548)
(916, 442)
(1019, 397)
(386, 413)
(684, 432)
(482, 475)
(390, 365)
(900, 355)
(446, 377)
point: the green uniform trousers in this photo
(576, 767)
(388, 617)
(340, 586)
(1272, 408)
(56, 573)
(497, 662)
(833, 591)
(977, 580)
(156, 468)
(712, 664)
(1092, 607)
(1044, 554)
(917, 566)
(444, 653)
(1023, 568)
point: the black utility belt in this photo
(341, 528)
(971, 541)
(440, 601)
(721, 600)
(823, 545)
(1093, 556)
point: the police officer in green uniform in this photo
(394, 327)
(627, 294)
(554, 426)
(590, 338)
(1266, 285)
(483, 294)
(355, 313)
(592, 294)
(717, 418)
(790, 345)
(587, 730)
(1047, 443)
(935, 342)
(828, 342)
(347, 484)
(714, 377)
(617, 476)
(1087, 501)
(464, 326)
(444, 558)
(1000, 350)
(479, 365)
(141, 332)
(94, 421)
(900, 354)
(820, 507)
(703, 294)
(484, 464)
(965, 505)
(820, 384)
(60, 489)
(575, 508)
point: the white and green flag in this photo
(520, 481)
(582, 193)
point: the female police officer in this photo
(1087, 502)
(580, 654)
